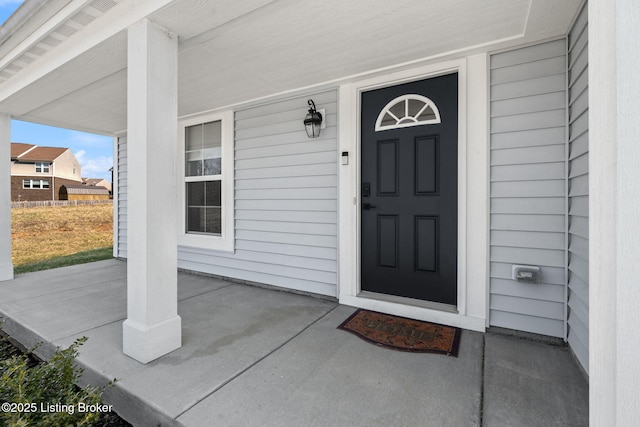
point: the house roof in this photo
(85, 189)
(42, 154)
(92, 181)
(66, 65)
(18, 148)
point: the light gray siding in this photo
(121, 205)
(285, 200)
(578, 315)
(528, 187)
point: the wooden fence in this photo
(36, 204)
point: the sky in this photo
(94, 152)
(7, 7)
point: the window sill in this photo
(201, 241)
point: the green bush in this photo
(46, 394)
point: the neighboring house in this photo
(38, 173)
(97, 182)
(467, 146)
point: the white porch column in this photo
(614, 212)
(6, 265)
(153, 327)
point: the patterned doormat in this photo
(403, 334)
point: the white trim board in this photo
(472, 194)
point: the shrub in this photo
(46, 392)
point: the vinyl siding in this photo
(121, 205)
(578, 313)
(285, 201)
(528, 187)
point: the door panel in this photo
(388, 168)
(388, 241)
(426, 165)
(426, 250)
(410, 191)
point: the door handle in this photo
(367, 206)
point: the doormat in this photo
(399, 333)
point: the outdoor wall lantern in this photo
(312, 121)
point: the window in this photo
(203, 170)
(407, 111)
(207, 182)
(42, 184)
(42, 167)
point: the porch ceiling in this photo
(231, 52)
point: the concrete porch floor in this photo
(254, 356)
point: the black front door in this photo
(409, 193)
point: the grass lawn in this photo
(62, 261)
(50, 237)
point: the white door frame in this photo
(471, 312)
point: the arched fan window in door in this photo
(406, 111)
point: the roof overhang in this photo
(70, 69)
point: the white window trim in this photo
(414, 121)
(40, 184)
(226, 241)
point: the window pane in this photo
(213, 194)
(193, 138)
(387, 120)
(194, 168)
(204, 200)
(213, 221)
(194, 163)
(203, 149)
(415, 106)
(193, 156)
(427, 114)
(212, 166)
(212, 134)
(409, 110)
(195, 194)
(195, 220)
(45, 184)
(398, 109)
(211, 153)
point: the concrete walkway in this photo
(259, 357)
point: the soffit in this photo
(48, 34)
(231, 52)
